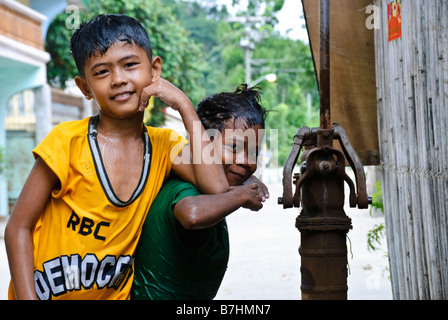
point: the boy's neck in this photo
(125, 128)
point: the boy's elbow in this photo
(190, 219)
(7, 233)
(10, 234)
(224, 187)
(216, 188)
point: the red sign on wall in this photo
(394, 19)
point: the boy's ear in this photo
(156, 65)
(81, 83)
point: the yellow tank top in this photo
(84, 241)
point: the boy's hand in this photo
(167, 92)
(252, 196)
(262, 188)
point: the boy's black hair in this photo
(103, 31)
(243, 104)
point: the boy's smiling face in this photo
(240, 150)
(116, 79)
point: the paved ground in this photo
(264, 261)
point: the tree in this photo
(255, 6)
(287, 97)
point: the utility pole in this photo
(247, 41)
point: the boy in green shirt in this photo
(184, 246)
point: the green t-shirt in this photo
(166, 268)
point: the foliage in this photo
(375, 235)
(286, 98)
(377, 197)
(61, 67)
(254, 6)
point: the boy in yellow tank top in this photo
(73, 231)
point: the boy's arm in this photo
(204, 211)
(196, 171)
(26, 212)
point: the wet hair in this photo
(98, 35)
(242, 104)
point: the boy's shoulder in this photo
(175, 189)
(175, 182)
(159, 131)
(70, 128)
(67, 130)
(164, 134)
(61, 137)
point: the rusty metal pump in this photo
(323, 224)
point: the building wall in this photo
(22, 66)
(412, 97)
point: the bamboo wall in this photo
(412, 96)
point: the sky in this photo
(291, 17)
